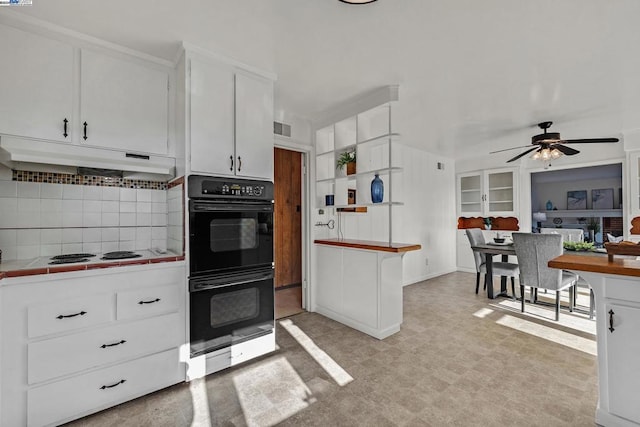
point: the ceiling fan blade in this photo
(522, 154)
(590, 140)
(564, 149)
(509, 149)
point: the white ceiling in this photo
(470, 71)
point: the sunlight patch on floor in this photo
(483, 312)
(578, 321)
(200, 403)
(339, 375)
(551, 334)
(271, 381)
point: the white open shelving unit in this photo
(370, 135)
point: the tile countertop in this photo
(40, 265)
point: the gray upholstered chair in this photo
(507, 269)
(534, 252)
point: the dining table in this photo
(490, 249)
(505, 249)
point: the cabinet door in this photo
(623, 370)
(124, 104)
(499, 192)
(254, 127)
(211, 118)
(470, 194)
(37, 85)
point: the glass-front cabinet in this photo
(487, 193)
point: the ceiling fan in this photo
(549, 145)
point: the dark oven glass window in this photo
(230, 241)
(235, 306)
(233, 234)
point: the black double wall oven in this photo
(231, 261)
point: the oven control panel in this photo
(203, 187)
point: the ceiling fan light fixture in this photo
(547, 154)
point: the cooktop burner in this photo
(71, 256)
(68, 260)
(120, 255)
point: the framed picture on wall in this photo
(577, 199)
(602, 199)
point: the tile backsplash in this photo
(46, 219)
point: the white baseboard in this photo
(427, 277)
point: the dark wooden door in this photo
(288, 217)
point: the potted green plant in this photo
(348, 159)
(593, 225)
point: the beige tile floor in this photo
(459, 359)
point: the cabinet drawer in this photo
(146, 302)
(67, 315)
(80, 395)
(622, 289)
(74, 353)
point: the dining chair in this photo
(506, 269)
(534, 252)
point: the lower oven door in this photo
(228, 309)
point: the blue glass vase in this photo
(377, 190)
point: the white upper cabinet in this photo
(212, 129)
(254, 126)
(485, 193)
(51, 88)
(231, 121)
(124, 104)
(36, 91)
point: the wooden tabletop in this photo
(369, 245)
(597, 264)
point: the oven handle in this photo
(219, 283)
(213, 207)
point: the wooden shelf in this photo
(584, 213)
(369, 245)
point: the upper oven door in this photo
(228, 236)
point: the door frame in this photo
(306, 151)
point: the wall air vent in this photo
(282, 129)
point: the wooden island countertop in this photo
(369, 245)
(597, 264)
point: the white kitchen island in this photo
(616, 286)
(359, 284)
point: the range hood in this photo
(46, 156)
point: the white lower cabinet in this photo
(74, 353)
(623, 370)
(360, 288)
(80, 395)
(58, 364)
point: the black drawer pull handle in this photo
(104, 387)
(231, 158)
(113, 345)
(137, 156)
(611, 328)
(84, 125)
(82, 313)
(65, 134)
(239, 163)
(149, 302)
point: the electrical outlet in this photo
(426, 261)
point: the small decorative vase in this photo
(549, 205)
(377, 190)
